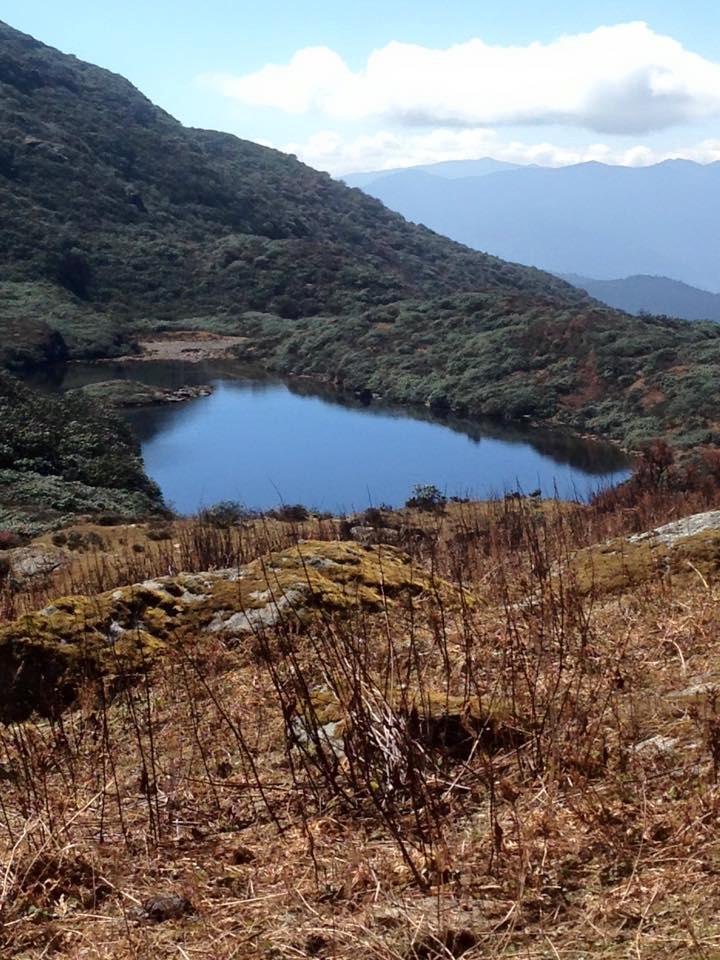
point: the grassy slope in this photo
(192, 222)
(589, 835)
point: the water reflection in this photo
(260, 440)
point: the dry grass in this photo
(501, 765)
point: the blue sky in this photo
(204, 63)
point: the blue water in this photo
(262, 444)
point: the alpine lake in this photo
(263, 442)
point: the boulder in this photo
(670, 533)
(372, 535)
(35, 561)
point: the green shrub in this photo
(290, 513)
(427, 497)
(226, 513)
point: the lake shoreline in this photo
(360, 453)
(262, 440)
(198, 346)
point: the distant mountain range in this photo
(589, 219)
(449, 170)
(645, 294)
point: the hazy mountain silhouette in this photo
(646, 294)
(590, 219)
(448, 169)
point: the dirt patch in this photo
(652, 398)
(189, 345)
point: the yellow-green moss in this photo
(620, 565)
(123, 628)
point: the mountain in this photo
(645, 294)
(107, 200)
(449, 169)
(590, 219)
(118, 220)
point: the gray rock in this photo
(35, 561)
(701, 689)
(116, 630)
(656, 746)
(670, 533)
(328, 735)
(370, 536)
(160, 909)
(258, 618)
(321, 563)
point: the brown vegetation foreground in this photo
(503, 759)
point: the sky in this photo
(374, 85)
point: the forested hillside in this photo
(110, 199)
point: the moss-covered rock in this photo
(133, 393)
(623, 563)
(46, 655)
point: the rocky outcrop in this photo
(671, 533)
(372, 535)
(36, 560)
(132, 393)
(686, 548)
(47, 655)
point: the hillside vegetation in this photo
(63, 456)
(107, 196)
(592, 369)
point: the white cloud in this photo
(624, 79)
(384, 150)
